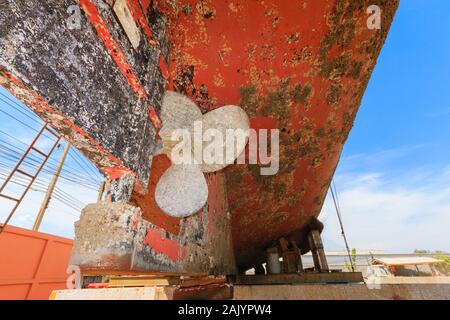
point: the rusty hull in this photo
(300, 66)
(87, 82)
(113, 238)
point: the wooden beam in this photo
(51, 188)
(296, 278)
(148, 281)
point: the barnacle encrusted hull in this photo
(298, 66)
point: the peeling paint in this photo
(300, 68)
(89, 84)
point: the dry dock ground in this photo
(273, 292)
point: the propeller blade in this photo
(182, 191)
(177, 112)
(228, 118)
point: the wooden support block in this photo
(318, 252)
(296, 278)
(149, 281)
(222, 291)
(216, 291)
(126, 20)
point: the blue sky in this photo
(408, 99)
(394, 175)
(78, 183)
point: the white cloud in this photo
(78, 179)
(364, 162)
(396, 212)
(59, 218)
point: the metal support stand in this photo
(273, 261)
(318, 252)
(291, 262)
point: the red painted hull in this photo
(298, 66)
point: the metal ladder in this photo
(26, 174)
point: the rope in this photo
(338, 212)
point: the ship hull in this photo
(300, 67)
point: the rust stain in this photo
(154, 118)
(299, 67)
(163, 67)
(139, 18)
(156, 240)
(146, 201)
(112, 46)
(109, 164)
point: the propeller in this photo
(182, 190)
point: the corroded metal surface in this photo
(88, 82)
(182, 190)
(113, 238)
(299, 66)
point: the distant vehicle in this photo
(406, 270)
(378, 271)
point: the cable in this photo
(338, 211)
(89, 166)
(337, 198)
(25, 124)
(23, 107)
(24, 113)
(44, 183)
(42, 186)
(54, 196)
(14, 156)
(11, 153)
(38, 189)
(81, 166)
(50, 173)
(32, 165)
(35, 157)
